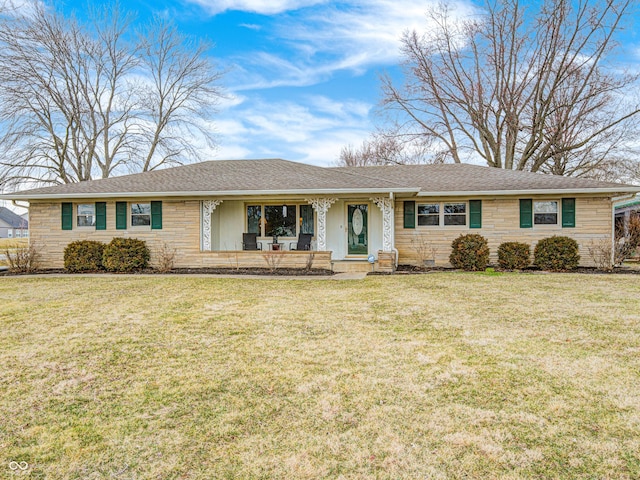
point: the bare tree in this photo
(521, 89)
(384, 148)
(183, 96)
(82, 101)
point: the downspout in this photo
(615, 200)
(393, 230)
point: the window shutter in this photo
(410, 214)
(67, 216)
(568, 212)
(101, 216)
(156, 215)
(526, 213)
(475, 213)
(121, 215)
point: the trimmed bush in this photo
(83, 256)
(514, 255)
(556, 254)
(125, 255)
(470, 252)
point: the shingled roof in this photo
(230, 177)
(278, 177)
(12, 219)
(464, 178)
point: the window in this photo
(437, 214)
(254, 215)
(545, 213)
(306, 219)
(86, 215)
(429, 214)
(280, 220)
(455, 214)
(140, 214)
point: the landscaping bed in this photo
(191, 271)
(625, 270)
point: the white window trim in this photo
(93, 205)
(131, 214)
(441, 215)
(558, 214)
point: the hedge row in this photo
(471, 252)
(120, 255)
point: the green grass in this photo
(432, 376)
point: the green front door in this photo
(357, 231)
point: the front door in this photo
(357, 229)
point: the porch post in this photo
(321, 205)
(385, 204)
(208, 206)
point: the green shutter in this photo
(526, 213)
(156, 215)
(475, 213)
(101, 216)
(409, 214)
(121, 215)
(67, 216)
(568, 212)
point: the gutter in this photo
(231, 193)
(553, 191)
(15, 204)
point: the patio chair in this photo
(304, 242)
(250, 242)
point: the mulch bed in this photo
(414, 270)
(292, 272)
(208, 271)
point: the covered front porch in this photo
(346, 234)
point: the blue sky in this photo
(303, 75)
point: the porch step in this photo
(349, 266)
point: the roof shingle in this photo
(276, 176)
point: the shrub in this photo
(22, 259)
(556, 253)
(165, 258)
(514, 255)
(469, 252)
(83, 256)
(125, 255)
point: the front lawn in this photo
(446, 375)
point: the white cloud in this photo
(251, 26)
(265, 7)
(316, 42)
(20, 8)
(313, 129)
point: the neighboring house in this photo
(624, 211)
(386, 214)
(12, 225)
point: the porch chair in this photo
(250, 241)
(304, 242)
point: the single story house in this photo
(356, 217)
(625, 210)
(12, 225)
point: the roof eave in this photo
(546, 191)
(228, 193)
